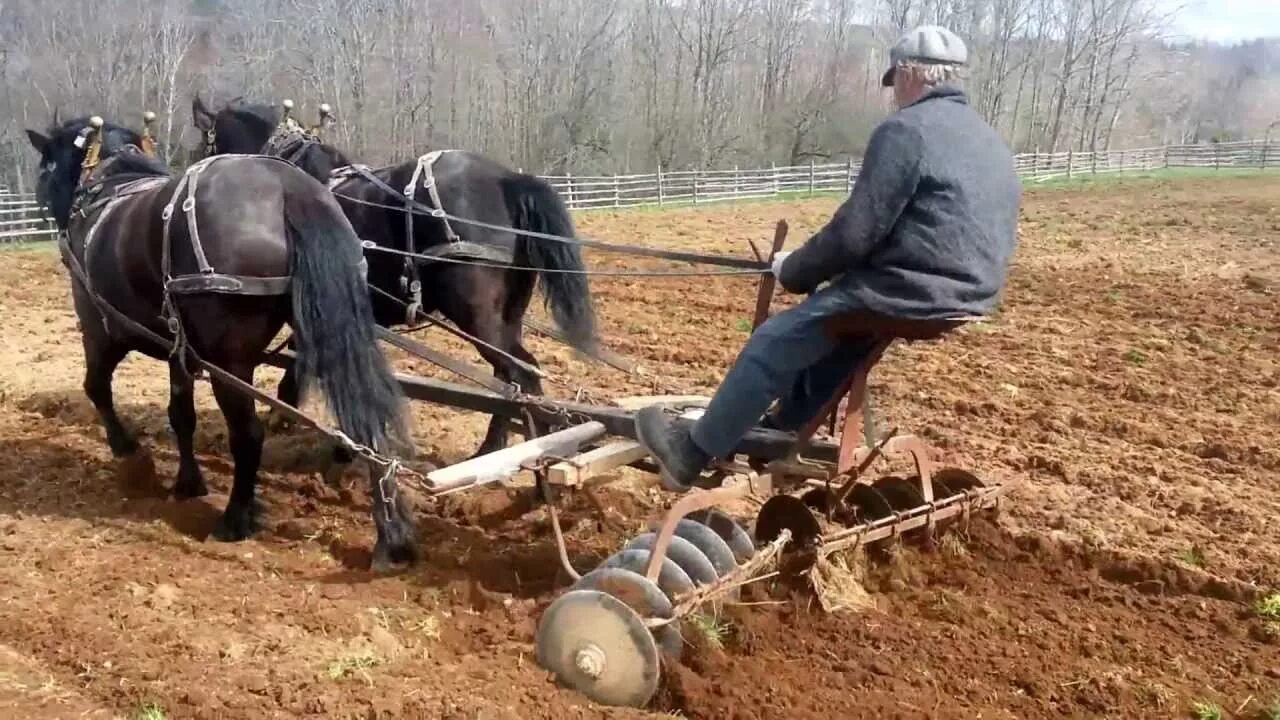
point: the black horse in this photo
(478, 287)
(168, 252)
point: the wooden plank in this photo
(504, 463)
(639, 402)
(588, 465)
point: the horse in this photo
(481, 282)
(213, 263)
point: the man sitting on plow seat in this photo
(927, 234)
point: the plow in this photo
(782, 499)
(812, 493)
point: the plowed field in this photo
(1130, 386)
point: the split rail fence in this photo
(21, 219)
(688, 187)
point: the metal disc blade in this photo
(729, 530)
(598, 646)
(953, 481)
(635, 590)
(786, 511)
(672, 580)
(685, 554)
(711, 545)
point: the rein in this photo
(755, 266)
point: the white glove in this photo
(779, 258)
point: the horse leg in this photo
(493, 333)
(182, 418)
(244, 430)
(288, 392)
(101, 360)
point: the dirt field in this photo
(1130, 386)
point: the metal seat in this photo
(884, 330)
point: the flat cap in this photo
(929, 44)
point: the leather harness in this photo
(455, 248)
(206, 279)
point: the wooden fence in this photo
(20, 216)
(703, 186)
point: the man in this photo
(927, 234)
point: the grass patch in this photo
(711, 629)
(1273, 712)
(358, 662)
(1134, 356)
(149, 711)
(1083, 178)
(1206, 711)
(1192, 556)
(1269, 608)
(742, 325)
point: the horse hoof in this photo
(190, 489)
(235, 526)
(388, 558)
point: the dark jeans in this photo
(789, 357)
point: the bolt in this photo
(590, 661)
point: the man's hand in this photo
(778, 258)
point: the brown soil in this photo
(1130, 386)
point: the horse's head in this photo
(63, 149)
(238, 128)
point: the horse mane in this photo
(265, 117)
(120, 145)
(131, 160)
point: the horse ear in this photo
(39, 141)
(200, 115)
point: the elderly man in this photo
(927, 234)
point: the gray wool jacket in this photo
(931, 225)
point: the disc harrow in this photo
(607, 635)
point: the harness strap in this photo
(228, 284)
(427, 162)
(106, 309)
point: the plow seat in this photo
(883, 330)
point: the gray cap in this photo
(929, 44)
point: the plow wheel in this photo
(787, 512)
(598, 646)
(685, 554)
(729, 530)
(605, 637)
(642, 596)
(672, 579)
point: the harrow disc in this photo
(791, 513)
(710, 544)
(598, 646)
(683, 553)
(729, 530)
(672, 580)
(642, 596)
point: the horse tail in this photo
(538, 208)
(333, 323)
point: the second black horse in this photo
(486, 287)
